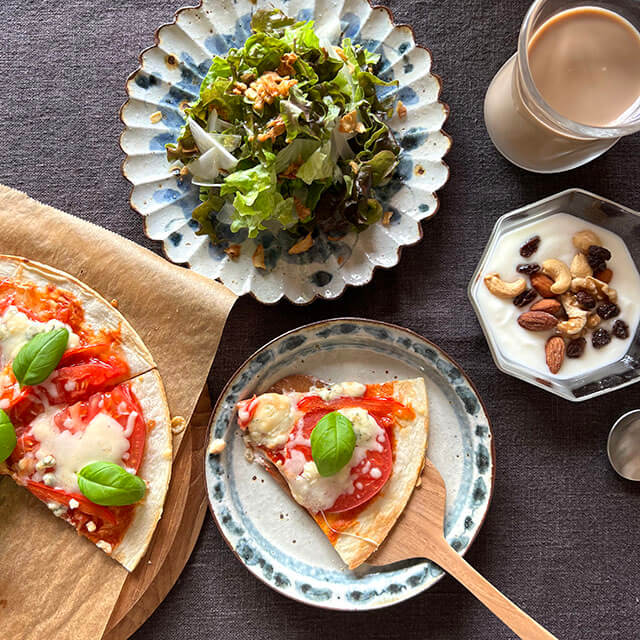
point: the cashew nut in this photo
(503, 289)
(559, 273)
(595, 287)
(584, 239)
(572, 326)
(580, 266)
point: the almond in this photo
(542, 284)
(554, 351)
(604, 276)
(537, 321)
(548, 305)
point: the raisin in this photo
(600, 338)
(528, 269)
(620, 329)
(585, 300)
(597, 257)
(530, 247)
(526, 297)
(576, 348)
(608, 310)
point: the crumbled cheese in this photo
(103, 439)
(46, 463)
(105, 546)
(73, 503)
(217, 446)
(91, 526)
(16, 329)
(271, 421)
(343, 389)
(57, 509)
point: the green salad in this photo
(288, 130)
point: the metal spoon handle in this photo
(514, 617)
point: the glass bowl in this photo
(621, 220)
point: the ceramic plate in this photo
(169, 77)
(274, 537)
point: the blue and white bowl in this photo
(169, 77)
(274, 537)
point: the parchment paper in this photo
(53, 583)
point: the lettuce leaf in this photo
(256, 198)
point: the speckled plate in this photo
(274, 537)
(169, 77)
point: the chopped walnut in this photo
(275, 128)
(286, 64)
(248, 76)
(386, 217)
(349, 123)
(292, 170)
(233, 251)
(239, 88)
(341, 53)
(302, 211)
(258, 257)
(302, 245)
(269, 86)
(402, 110)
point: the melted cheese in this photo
(272, 420)
(318, 493)
(16, 329)
(103, 439)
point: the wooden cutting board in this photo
(175, 537)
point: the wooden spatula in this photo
(419, 533)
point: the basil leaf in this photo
(8, 438)
(332, 443)
(40, 356)
(108, 484)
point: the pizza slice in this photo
(350, 453)
(84, 422)
(127, 426)
(102, 348)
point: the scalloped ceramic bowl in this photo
(169, 77)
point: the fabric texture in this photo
(561, 535)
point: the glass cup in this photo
(529, 132)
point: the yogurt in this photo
(501, 316)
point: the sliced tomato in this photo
(84, 352)
(48, 494)
(77, 381)
(365, 485)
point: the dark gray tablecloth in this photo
(561, 537)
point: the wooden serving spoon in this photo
(419, 533)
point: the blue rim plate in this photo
(273, 536)
(169, 77)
